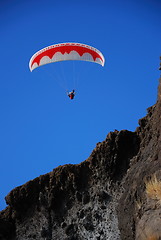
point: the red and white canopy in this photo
(66, 51)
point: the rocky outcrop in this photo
(140, 214)
(115, 194)
(73, 201)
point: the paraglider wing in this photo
(66, 51)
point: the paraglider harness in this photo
(71, 94)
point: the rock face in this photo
(115, 194)
(73, 201)
(139, 209)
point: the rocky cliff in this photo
(115, 194)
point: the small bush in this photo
(153, 189)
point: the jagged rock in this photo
(74, 201)
(133, 205)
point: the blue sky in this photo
(40, 128)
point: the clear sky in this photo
(40, 127)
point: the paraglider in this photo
(71, 94)
(64, 52)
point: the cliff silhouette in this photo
(115, 194)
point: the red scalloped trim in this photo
(65, 49)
